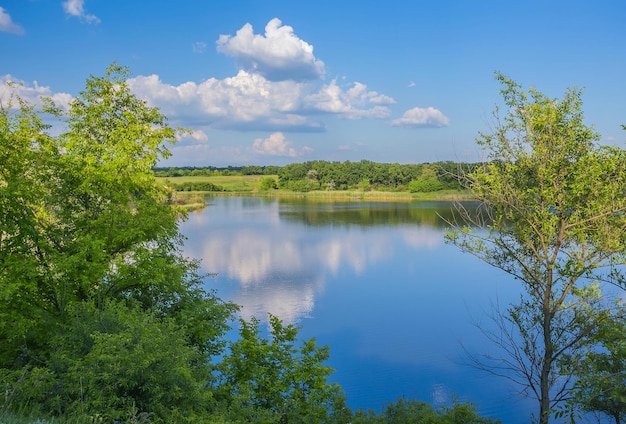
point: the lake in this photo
(376, 282)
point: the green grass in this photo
(230, 183)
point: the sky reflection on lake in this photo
(281, 266)
(374, 281)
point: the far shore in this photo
(195, 200)
(248, 185)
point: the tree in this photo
(272, 380)
(554, 217)
(427, 181)
(94, 289)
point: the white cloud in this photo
(355, 103)
(246, 102)
(277, 145)
(7, 24)
(419, 117)
(10, 86)
(278, 55)
(197, 135)
(77, 8)
(249, 101)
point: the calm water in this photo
(374, 281)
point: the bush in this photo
(425, 185)
(412, 411)
(268, 183)
(301, 185)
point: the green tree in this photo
(271, 380)
(427, 181)
(554, 210)
(27, 172)
(91, 272)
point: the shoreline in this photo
(194, 200)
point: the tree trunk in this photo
(544, 384)
(544, 402)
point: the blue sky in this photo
(275, 82)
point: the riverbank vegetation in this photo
(321, 180)
(363, 176)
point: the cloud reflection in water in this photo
(281, 266)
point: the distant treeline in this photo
(363, 175)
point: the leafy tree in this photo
(272, 380)
(554, 219)
(426, 183)
(91, 274)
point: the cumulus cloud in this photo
(246, 101)
(353, 103)
(10, 86)
(278, 55)
(254, 99)
(7, 24)
(277, 145)
(249, 101)
(76, 8)
(419, 117)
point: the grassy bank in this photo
(249, 185)
(444, 195)
(244, 183)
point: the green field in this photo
(230, 183)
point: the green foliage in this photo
(300, 185)
(411, 411)
(111, 359)
(272, 380)
(268, 183)
(600, 370)
(365, 185)
(427, 182)
(333, 176)
(100, 314)
(352, 175)
(425, 185)
(555, 203)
